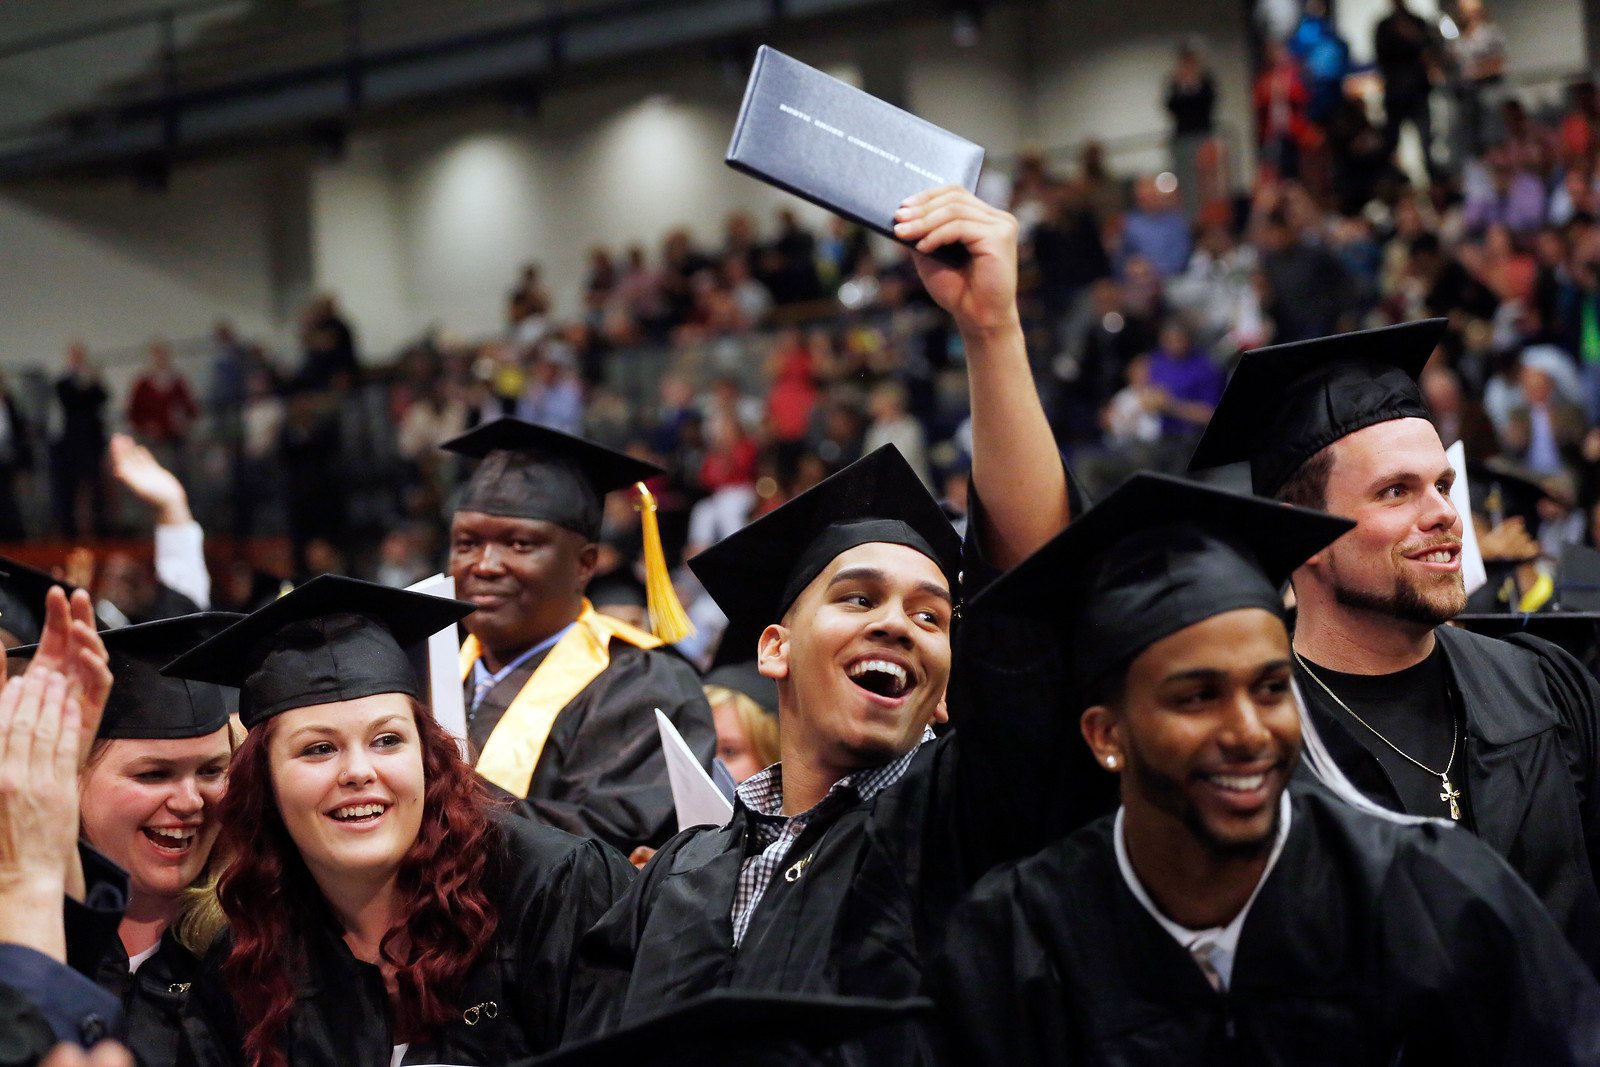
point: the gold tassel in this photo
(668, 620)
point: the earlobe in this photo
(1099, 728)
(942, 712)
(772, 652)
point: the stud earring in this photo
(1111, 762)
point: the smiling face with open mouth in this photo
(349, 784)
(862, 658)
(150, 805)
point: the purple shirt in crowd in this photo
(1190, 376)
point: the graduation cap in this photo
(1159, 555)
(1578, 579)
(746, 678)
(1576, 631)
(22, 592)
(143, 702)
(332, 639)
(1286, 403)
(754, 575)
(534, 472)
(739, 1029)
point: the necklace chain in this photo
(1450, 795)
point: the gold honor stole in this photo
(513, 748)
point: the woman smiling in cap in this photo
(380, 908)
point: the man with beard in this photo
(840, 862)
(1223, 914)
(560, 698)
(1502, 737)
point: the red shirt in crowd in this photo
(161, 407)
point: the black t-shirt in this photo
(1414, 709)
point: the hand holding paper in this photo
(981, 293)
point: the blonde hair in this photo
(760, 726)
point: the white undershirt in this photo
(1212, 949)
(135, 962)
(399, 1054)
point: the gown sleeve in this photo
(1022, 776)
(1001, 1001)
(1577, 694)
(604, 775)
(1487, 975)
(556, 909)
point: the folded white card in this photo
(694, 794)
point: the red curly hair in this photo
(445, 918)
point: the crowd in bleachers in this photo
(755, 362)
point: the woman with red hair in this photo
(382, 908)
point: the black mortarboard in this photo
(618, 587)
(1576, 631)
(1578, 579)
(332, 639)
(1286, 403)
(533, 472)
(22, 593)
(740, 1029)
(756, 573)
(1156, 556)
(747, 678)
(143, 702)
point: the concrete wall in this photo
(427, 223)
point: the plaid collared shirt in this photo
(763, 794)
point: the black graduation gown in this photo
(152, 999)
(1370, 943)
(602, 772)
(549, 887)
(865, 914)
(1532, 758)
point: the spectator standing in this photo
(258, 476)
(1308, 288)
(528, 307)
(328, 344)
(1324, 60)
(1479, 54)
(1280, 98)
(75, 457)
(1404, 47)
(1191, 100)
(16, 457)
(162, 408)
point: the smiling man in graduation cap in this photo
(840, 862)
(1501, 736)
(1223, 915)
(561, 698)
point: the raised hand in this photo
(981, 294)
(71, 646)
(148, 480)
(41, 725)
